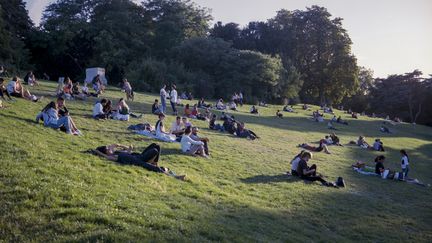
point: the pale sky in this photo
(389, 36)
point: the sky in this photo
(389, 36)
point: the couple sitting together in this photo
(104, 110)
(300, 168)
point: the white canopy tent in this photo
(92, 72)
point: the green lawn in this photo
(50, 190)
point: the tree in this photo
(175, 21)
(229, 32)
(15, 29)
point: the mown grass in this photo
(50, 190)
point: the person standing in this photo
(163, 95)
(404, 163)
(173, 99)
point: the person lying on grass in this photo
(288, 108)
(310, 173)
(320, 148)
(340, 121)
(148, 159)
(279, 114)
(242, 132)
(15, 89)
(52, 119)
(191, 146)
(214, 126)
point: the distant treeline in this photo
(296, 56)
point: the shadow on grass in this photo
(19, 118)
(266, 179)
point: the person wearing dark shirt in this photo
(309, 173)
(379, 164)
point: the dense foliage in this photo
(299, 55)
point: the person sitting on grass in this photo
(123, 111)
(340, 121)
(253, 110)
(354, 115)
(378, 145)
(194, 135)
(148, 159)
(214, 126)
(379, 164)
(156, 108)
(220, 105)
(63, 111)
(288, 108)
(76, 92)
(160, 130)
(362, 142)
(384, 129)
(202, 104)
(230, 125)
(191, 146)
(233, 106)
(310, 173)
(187, 111)
(242, 132)
(98, 110)
(262, 103)
(186, 122)
(51, 118)
(67, 89)
(335, 139)
(177, 128)
(294, 163)
(3, 90)
(15, 89)
(279, 114)
(128, 90)
(30, 79)
(305, 107)
(98, 86)
(328, 140)
(320, 148)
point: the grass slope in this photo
(51, 191)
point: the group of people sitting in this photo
(386, 173)
(232, 126)
(16, 89)
(56, 115)
(30, 79)
(103, 109)
(378, 145)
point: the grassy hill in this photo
(50, 190)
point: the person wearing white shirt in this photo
(295, 162)
(173, 99)
(163, 95)
(177, 127)
(404, 163)
(98, 112)
(191, 146)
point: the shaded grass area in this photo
(51, 190)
